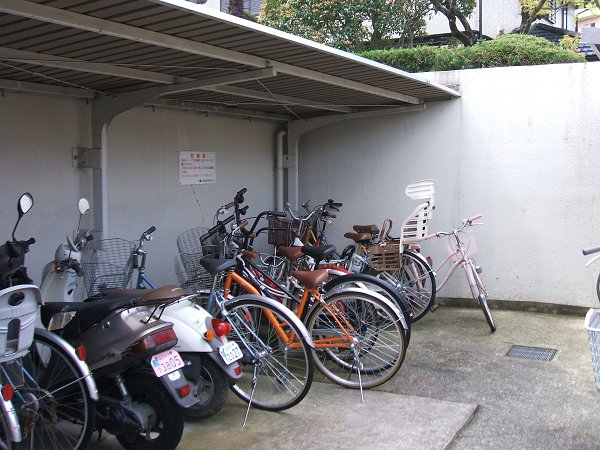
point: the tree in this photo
(532, 10)
(458, 10)
(348, 24)
(236, 8)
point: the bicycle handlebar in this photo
(466, 222)
(334, 205)
(472, 219)
(590, 250)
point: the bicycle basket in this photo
(592, 325)
(386, 256)
(282, 231)
(107, 264)
(192, 248)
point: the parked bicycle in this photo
(462, 250)
(359, 335)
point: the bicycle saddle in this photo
(311, 278)
(372, 229)
(359, 237)
(290, 253)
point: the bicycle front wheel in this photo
(416, 280)
(56, 408)
(277, 363)
(359, 338)
(482, 297)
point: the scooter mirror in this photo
(84, 206)
(25, 203)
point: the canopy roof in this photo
(182, 55)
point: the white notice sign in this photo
(197, 167)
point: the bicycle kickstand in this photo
(254, 381)
(359, 366)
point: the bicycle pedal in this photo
(434, 307)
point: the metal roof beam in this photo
(25, 86)
(187, 84)
(105, 27)
(216, 81)
(276, 98)
(183, 105)
(42, 59)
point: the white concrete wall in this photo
(36, 137)
(520, 146)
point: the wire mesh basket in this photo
(107, 264)
(592, 325)
(273, 265)
(193, 245)
(386, 256)
(282, 231)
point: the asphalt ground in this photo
(457, 389)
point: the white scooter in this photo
(62, 278)
(210, 359)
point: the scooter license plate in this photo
(166, 362)
(230, 352)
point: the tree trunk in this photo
(527, 18)
(236, 8)
(453, 13)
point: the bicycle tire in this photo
(283, 375)
(55, 399)
(378, 285)
(598, 287)
(416, 281)
(377, 349)
(482, 297)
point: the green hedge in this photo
(505, 50)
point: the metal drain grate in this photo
(534, 353)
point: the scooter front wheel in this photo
(167, 424)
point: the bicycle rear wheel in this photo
(359, 338)
(382, 287)
(416, 280)
(56, 408)
(276, 375)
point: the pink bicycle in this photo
(462, 248)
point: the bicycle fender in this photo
(83, 368)
(421, 258)
(11, 419)
(592, 261)
(368, 292)
(289, 315)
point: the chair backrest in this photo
(415, 227)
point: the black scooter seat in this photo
(87, 314)
(319, 252)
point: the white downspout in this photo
(279, 172)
